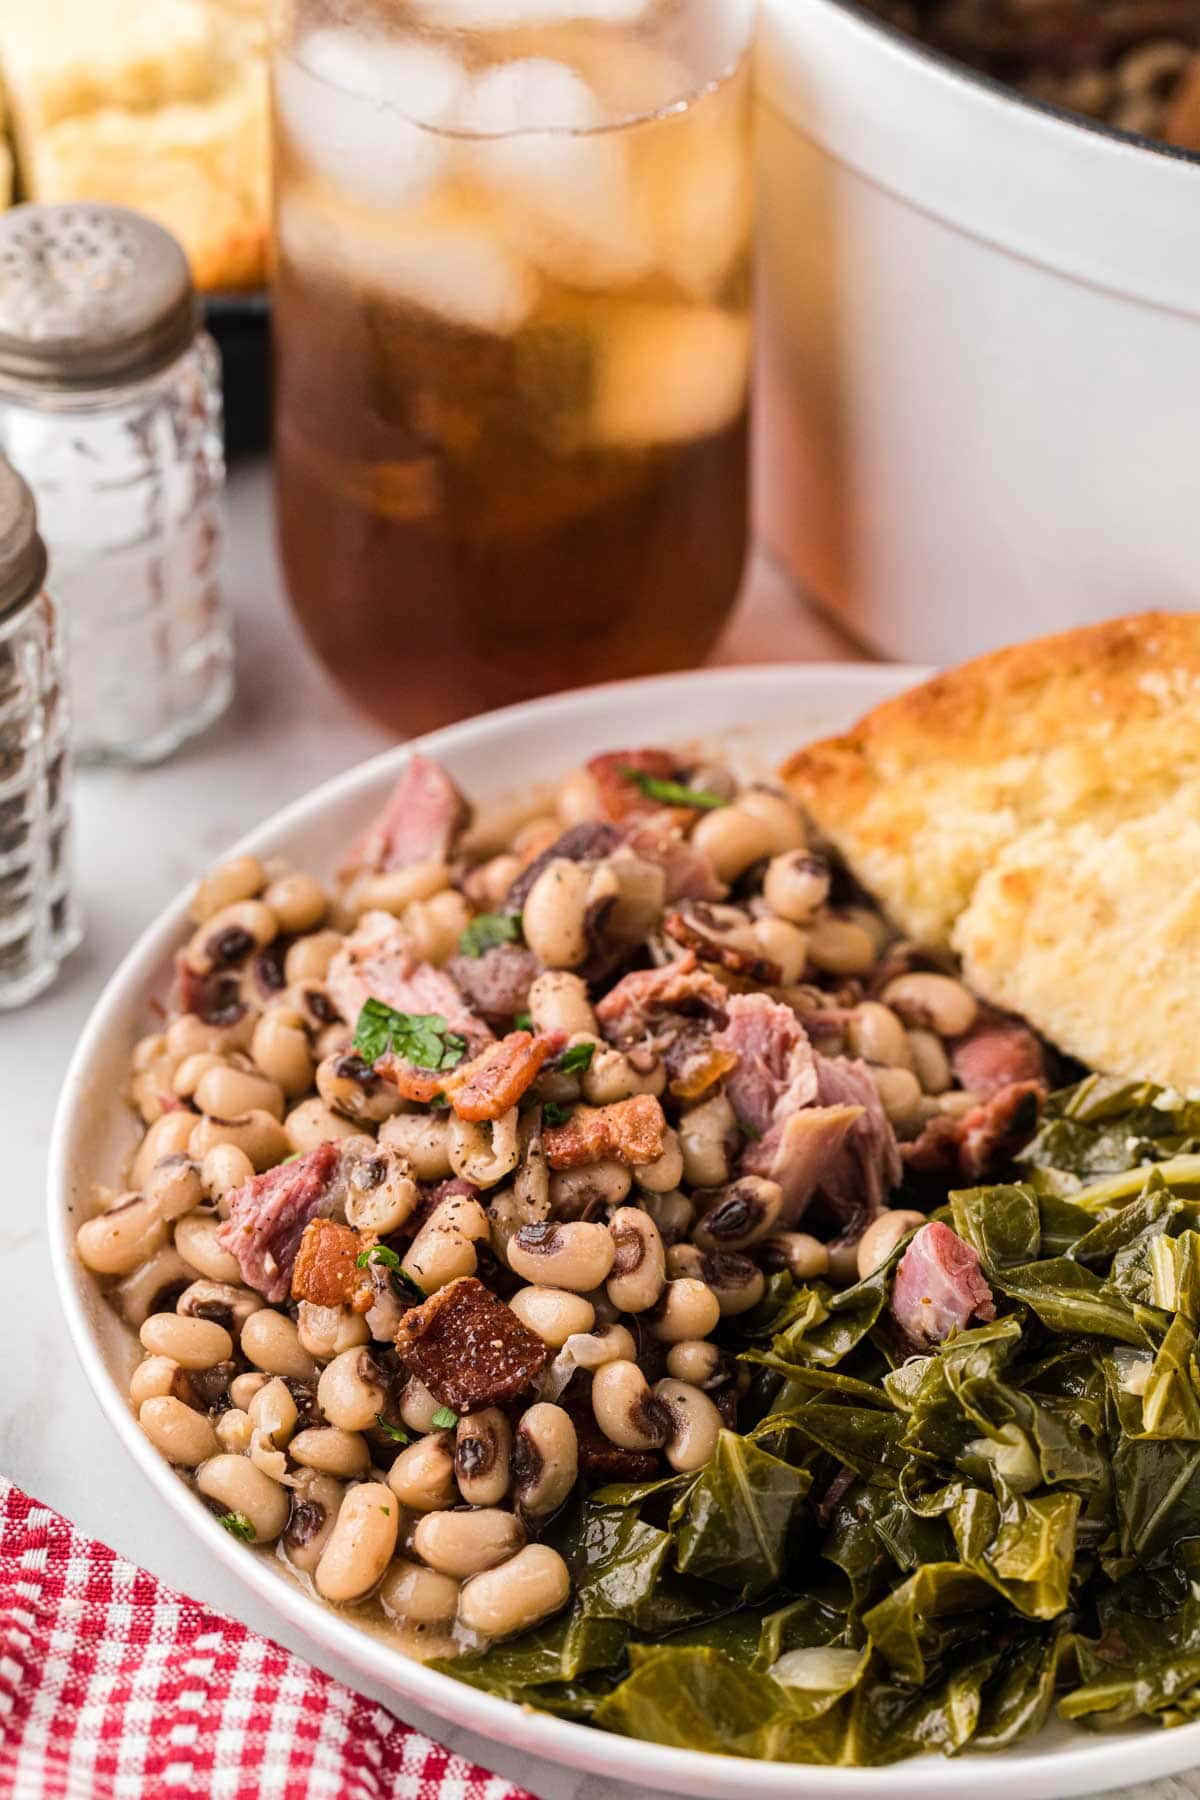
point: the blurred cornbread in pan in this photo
(1038, 812)
(161, 105)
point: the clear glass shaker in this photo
(39, 923)
(110, 408)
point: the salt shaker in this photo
(39, 922)
(110, 407)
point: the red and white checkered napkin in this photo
(115, 1687)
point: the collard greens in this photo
(898, 1554)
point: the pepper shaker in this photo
(39, 923)
(110, 408)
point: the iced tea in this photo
(512, 341)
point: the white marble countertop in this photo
(140, 837)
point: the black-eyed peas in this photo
(350, 1086)
(380, 1192)
(196, 1242)
(901, 1098)
(600, 1184)
(936, 1001)
(545, 1460)
(929, 1061)
(308, 959)
(395, 890)
(422, 1477)
(672, 1212)
(688, 1308)
(701, 1363)
(243, 1388)
(558, 1001)
(423, 1140)
(741, 1214)
(192, 1343)
(189, 1033)
(230, 936)
(736, 1280)
(298, 902)
(223, 1171)
(796, 885)
(625, 1408)
(168, 1136)
(465, 1541)
(806, 1257)
(839, 946)
(639, 1261)
(153, 1286)
(483, 1451)
(173, 1186)
(332, 1451)
(707, 1134)
(236, 1486)
(312, 1123)
(881, 1237)
(153, 1377)
(361, 1544)
(444, 1248)
(226, 1303)
(555, 912)
(415, 1595)
(485, 1152)
(531, 1587)
(666, 1171)
(418, 1407)
(612, 1075)
(608, 1343)
(577, 1256)
(271, 1341)
(116, 1242)
(235, 1431)
(352, 1390)
(553, 1313)
(325, 1331)
(693, 1423)
(315, 1502)
(178, 1432)
(258, 1134)
(280, 1049)
(226, 1092)
(733, 838)
(241, 878)
(876, 1034)
(273, 1411)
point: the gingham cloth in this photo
(115, 1687)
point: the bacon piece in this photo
(939, 1287)
(632, 1131)
(469, 1348)
(776, 1068)
(979, 1142)
(997, 1053)
(484, 1088)
(268, 1214)
(326, 1270)
(419, 822)
(689, 930)
(689, 873)
(618, 795)
(376, 963)
(497, 983)
(653, 1006)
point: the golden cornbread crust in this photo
(1038, 811)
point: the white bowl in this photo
(981, 346)
(93, 1130)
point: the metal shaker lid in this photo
(22, 552)
(89, 294)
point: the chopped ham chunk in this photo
(997, 1053)
(652, 1006)
(776, 1068)
(420, 822)
(801, 1152)
(939, 1287)
(326, 1271)
(268, 1214)
(689, 873)
(869, 1167)
(979, 1142)
(469, 1348)
(620, 797)
(632, 1131)
(376, 963)
(497, 983)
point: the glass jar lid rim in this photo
(22, 552)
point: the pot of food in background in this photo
(512, 341)
(981, 366)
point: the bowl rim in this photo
(1086, 1767)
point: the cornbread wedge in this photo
(1038, 811)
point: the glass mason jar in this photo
(39, 924)
(512, 340)
(110, 407)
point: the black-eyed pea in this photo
(418, 1407)
(381, 1194)
(352, 1390)
(741, 1214)
(553, 1314)
(930, 1063)
(154, 1286)
(625, 1409)
(673, 1212)
(445, 1247)
(694, 1424)
(312, 1123)
(235, 1431)
(174, 1187)
(222, 1172)
(639, 1261)
(361, 1544)
(325, 1331)
(612, 1075)
(271, 1342)
(554, 914)
(806, 1257)
(226, 1303)
(608, 1343)
(433, 927)
(901, 1098)
(190, 1033)
(545, 1460)
(395, 890)
(115, 1242)
(558, 1001)
(483, 1456)
(737, 1282)
(315, 1502)
(297, 900)
(578, 798)
(351, 1087)
(190, 1072)
(241, 878)
(196, 1241)
(462, 1542)
(280, 1048)
(577, 1256)
(331, 1451)
(839, 946)
(733, 838)
(701, 1363)
(413, 1595)
(875, 1033)
(783, 944)
(601, 1184)
(938, 1002)
(243, 1388)
(484, 1152)
(308, 959)
(666, 1171)
(881, 1238)
(227, 1092)
(423, 1140)
(843, 1264)
(531, 1587)
(258, 1134)
(177, 1432)
(273, 1411)
(706, 1136)
(796, 885)
(777, 813)
(315, 1004)
(235, 1486)
(168, 1136)
(229, 936)
(688, 1308)
(153, 1377)
(422, 1476)
(193, 1343)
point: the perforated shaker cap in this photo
(89, 295)
(22, 552)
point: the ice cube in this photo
(632, 79)
(565, 196)
(447, 264)
(509, 15)
(703, 197)
(669, 374)
(362, 112)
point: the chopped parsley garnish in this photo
(554, 1114)
(423, 1039)
(523, 1022)
(238, 1526)
(393, 1431)
(444, 1419)
(488, 932)
(387, 1259)
(672, 793)
(576, 1059)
